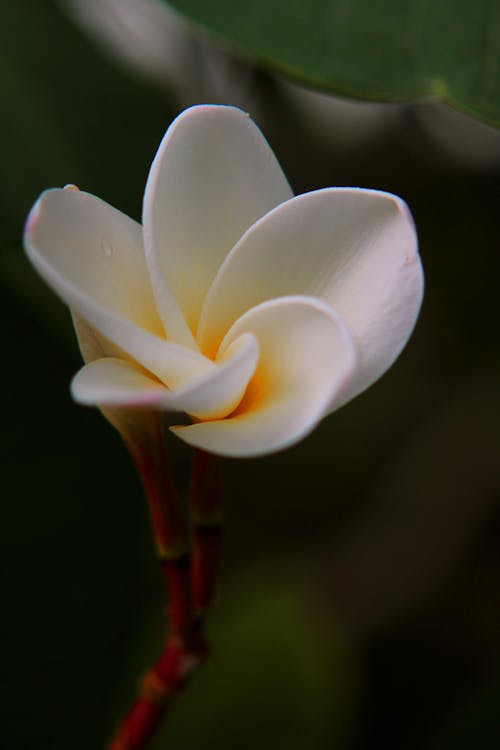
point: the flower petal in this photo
(92, 345)
(113, 382)
(356, 249)
(213, 176)
(97, 248)
(91, 255)
(307, 358)
(219, 393)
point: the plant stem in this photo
(206, 514)
(170, 531)
(185, 647)
(159, 686)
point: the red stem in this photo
(169, 527)
(206, 513)
(185, 647)
(159, 686)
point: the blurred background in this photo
(359, 595)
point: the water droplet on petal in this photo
(106, 248)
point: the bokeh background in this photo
(359, 596)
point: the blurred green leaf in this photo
(384, 50)
(279, 677)
(475, 726)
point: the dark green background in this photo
(358, 602)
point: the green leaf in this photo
(370, 49)
(475, 726)
(279, 675)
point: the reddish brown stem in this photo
(206, 513)
(169, 527)
(159, 686)
(176, 573)
(185, 648)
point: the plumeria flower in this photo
(255, 312)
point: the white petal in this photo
(92, 344)
(354, 248)
(113, 382)
(307, 358)
(116, 383)
(91, 255)
(97, 248)
(219, 393)
(213, 176)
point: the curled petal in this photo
(218, 394)
(356, 249)
(307, 358)
(127, 421)
(113, 382)
(213, 176)
(92, 256)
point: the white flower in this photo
(255, 312)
